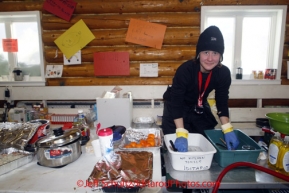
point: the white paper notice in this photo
(53, 71)
(75, 59)
(149, 70)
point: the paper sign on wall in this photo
(10, 45)
(53, 71)
(75, 59)
(111, 63)
(145, 33)
(149, 70)
(63, 9)
(74, 39)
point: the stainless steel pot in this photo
(59, 148)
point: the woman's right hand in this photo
(181, 142)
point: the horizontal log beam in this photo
(111, 81)
(173, 36)
(136, 6)
(116, 21)
(87, 70)
(137, 53)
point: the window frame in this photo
(279, 11)
(14, 16)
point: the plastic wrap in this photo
(122, 170)
(16, 135)
(12, 158)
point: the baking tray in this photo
(143, 122)
(11, 159)
(135, 135)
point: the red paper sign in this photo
(146, 33)
(111, 63)
(10, 45)
(61, 8)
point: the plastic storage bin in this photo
(199, 156)
(226, 157)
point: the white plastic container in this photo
(106, 140)
(199, 156)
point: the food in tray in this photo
(16, 135)
(7, 158)
(143, 139)
(12, 158)
(124, 169)
(148, 142)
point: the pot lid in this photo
(59, 138)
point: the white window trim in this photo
(280, 11)
(34, 81)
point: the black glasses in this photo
(199, 109)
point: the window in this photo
(24, 26)
(254, 38)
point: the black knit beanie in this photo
(211, 39)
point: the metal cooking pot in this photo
(59, 148)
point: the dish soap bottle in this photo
(274, 148)
(283, 157)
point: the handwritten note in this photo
(74, 39)
(10, 45)
(61, 8)
(111, 63)
(149, 70)
(145, 33)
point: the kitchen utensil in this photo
(279, 122)
(60, 148)
(223, 141)
(173, 146)
(222, 145)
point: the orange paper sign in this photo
(10, 45)
(111, 63)
(145, 33)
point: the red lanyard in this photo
(200, 100)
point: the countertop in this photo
(238, 178)
(70, 178)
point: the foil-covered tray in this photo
(16, 135)
(143, 122)
(136, 135)
(122, 171)
(11, 159)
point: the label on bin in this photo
(195, 163)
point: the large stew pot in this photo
(59, 148)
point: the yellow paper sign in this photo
(74, 39)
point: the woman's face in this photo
(208, 60)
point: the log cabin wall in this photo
(109, 20)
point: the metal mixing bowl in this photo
(279, 122)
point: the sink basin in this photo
(279, 122)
